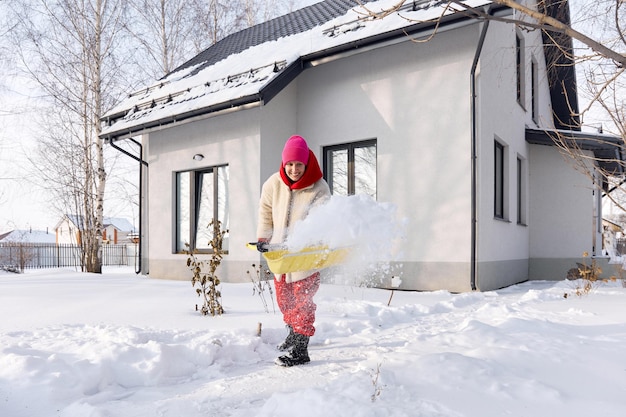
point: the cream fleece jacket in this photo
(281, 208)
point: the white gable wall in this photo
(231, 139)
(558, 236)
(503, 244)
(414, 99)
(67, 233)
(557, 204)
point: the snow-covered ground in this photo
(75, 344)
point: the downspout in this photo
(597, 238)
(474, 128)
(141, 164)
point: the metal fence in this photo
(19, 255)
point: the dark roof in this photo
(298, 21)
(559, 54)
(607, 149)
(147, 109)
(195, 88)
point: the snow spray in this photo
(372, 229)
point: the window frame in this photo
(193, 207)
(534, 89)
(520, 69)
(499, 181)
(351, 169)
(521, 191)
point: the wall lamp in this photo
(198, 157)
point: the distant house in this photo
(612, 233)
(455, 131)
(18, 248)
(28, 236)
(116, 230)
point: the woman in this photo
(286, 198)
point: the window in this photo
(521, 191)
(351, 168)
(201, 196)
(534, 89)
(519, 65)
(498, 183)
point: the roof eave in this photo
(201, 112)
(292, 71)
(607, 149)
(398, 35)
(585, 140)
(282, 80)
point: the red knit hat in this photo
(296, 149)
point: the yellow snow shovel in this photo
(282, 261)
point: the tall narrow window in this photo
(351, 168)
(534, 89)
(201, 196)
(498, 183)
(519, 66)
(521, 214)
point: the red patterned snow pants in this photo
(295, 300)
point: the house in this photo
(68, 230)
(456, 131)
(611, 238)
(19, 248)
(116, 230)
(28, 236)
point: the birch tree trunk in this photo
(66, 46)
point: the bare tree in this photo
(257, 11)
(538, 19)
(68, 47)
(4, 112)
(161, 31)
(221, 18)
(215, 19)
(165, 33)
(84, 54)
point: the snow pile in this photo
(81, 345)
(372, 229)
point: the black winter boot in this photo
(298, 354)
(288, 342)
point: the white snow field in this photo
(78, 344)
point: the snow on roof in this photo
(237, 69)
(29, 236)
(119, 223)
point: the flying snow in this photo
(371, 229)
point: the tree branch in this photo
(551, 24)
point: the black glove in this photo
(261, 246)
